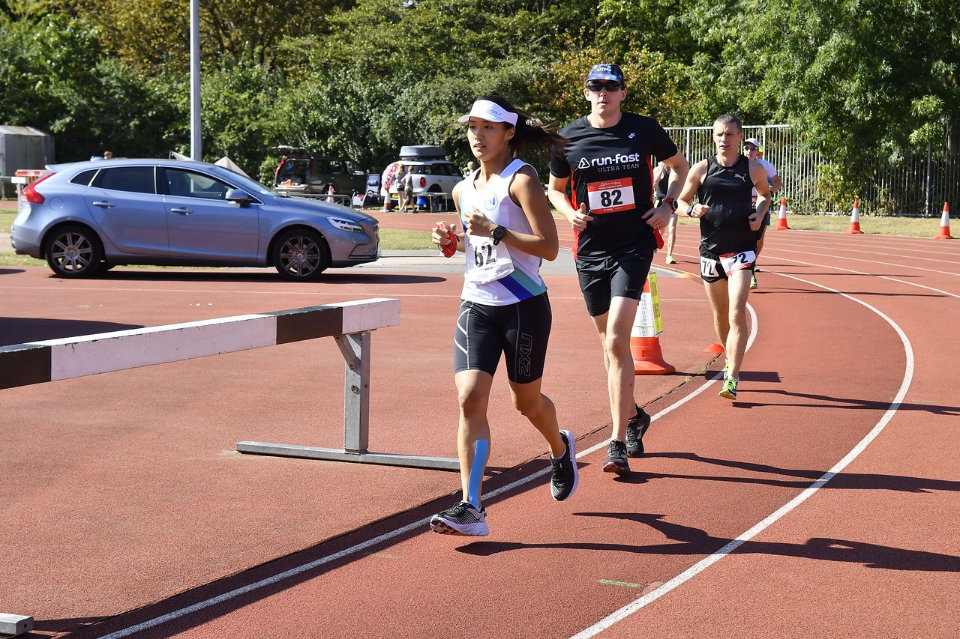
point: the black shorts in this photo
(519, 331)
(712, 270)
(622, 275)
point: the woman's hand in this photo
(478, 225)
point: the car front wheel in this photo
(300, 255)
(73, 251)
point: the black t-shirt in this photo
(610, 170)
(727, 191)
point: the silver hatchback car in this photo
(86, 216)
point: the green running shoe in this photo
(729, 388)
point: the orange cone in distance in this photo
(782, 218)
(944, 233)
(855, 219)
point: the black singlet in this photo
(726, 190)
(610, 170)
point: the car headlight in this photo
(346, 225)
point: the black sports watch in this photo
(498, 234)
(671, 201)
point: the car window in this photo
(83, 178)
(191, 184)
(135, 179)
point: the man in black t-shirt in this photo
(606, 165)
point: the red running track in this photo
(822, 503)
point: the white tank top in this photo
(524, 280)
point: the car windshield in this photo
(241, 180)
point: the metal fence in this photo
(915, 185)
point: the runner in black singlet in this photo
(606, 166)
(728, 239)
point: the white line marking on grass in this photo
(706, 562)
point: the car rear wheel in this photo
(300, 255)
(73, 251)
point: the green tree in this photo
(865, 80)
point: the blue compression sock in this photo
(480, 451)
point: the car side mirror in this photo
(238, 197)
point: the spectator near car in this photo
(432, 176)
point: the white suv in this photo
(432, 174)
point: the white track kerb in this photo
(639, 603)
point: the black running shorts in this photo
(519, 331)
(622, 275)
(712, 270)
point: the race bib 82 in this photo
(610, 196)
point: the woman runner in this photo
(506, 230)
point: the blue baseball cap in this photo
(606, 71)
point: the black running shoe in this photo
(616, 458)
(563, 482)
(462, 519)
(636, 427)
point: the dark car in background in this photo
(87, 216)
(302, 173)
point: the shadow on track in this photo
(694, 541)
(19, 330)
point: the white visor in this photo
(490, 111)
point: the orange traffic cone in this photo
(782, 218)
(944, 233)
(855, 219)
(648, 358)
(644, 340)
(714, 348)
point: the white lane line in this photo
(855, 272)
(780, 258)
(869, 261)
(387, 536)
(706, 562)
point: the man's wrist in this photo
(669, 201)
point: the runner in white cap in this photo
(753, 150)
(506, 230)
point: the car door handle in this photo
(181, 211)
(104, 205)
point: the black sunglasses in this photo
(750, 147)
(597, 86)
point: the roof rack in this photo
(422, 152)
